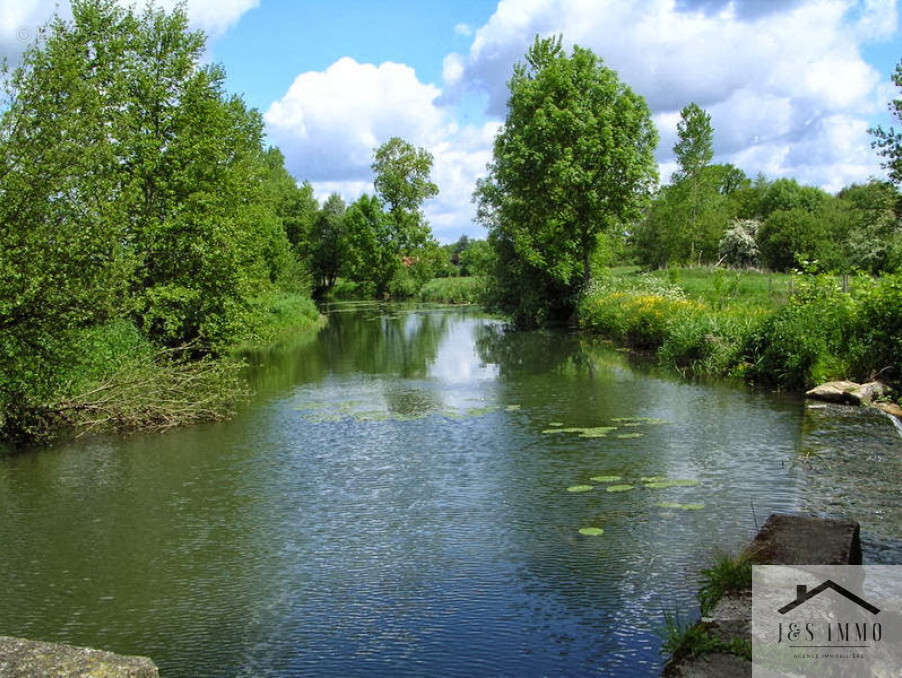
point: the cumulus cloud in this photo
(780, 79)
(21, 19)
(329, 122)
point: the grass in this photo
(457, 290)
(686, 641)
(728, 574)
(277, 317)
(776, 331)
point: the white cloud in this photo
(21, 19)
(329, 122)
(785, 83)
(463, 29)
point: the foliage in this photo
(737, 247)
(457, 290)
(686, 641)
(476, 258)
(402, 182)
(134, 188)
(573, 159)
(329, 244)
(695, 142)
(889, 142)
(726, 575)
(876, 343)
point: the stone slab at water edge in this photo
(21, 658)
(848, 392)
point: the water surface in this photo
(392, 504)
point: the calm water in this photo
(389, 505)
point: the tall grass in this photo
(458, 290)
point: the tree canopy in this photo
(573, 160)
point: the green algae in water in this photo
(591, 531)
(605, 479)
(512, 408)
(619, 488)
(555, 423)
(652, 479)
(678, 482)
(579, 488)
(636, 421)
(629, 435)
(685, 507)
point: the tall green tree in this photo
(375, 254)
(889, 142)
(573, 159)
(694, 148)
(402, 180)
(329, 244)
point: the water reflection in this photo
(390, 504)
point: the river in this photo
(400, 498)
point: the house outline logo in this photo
(803, 595)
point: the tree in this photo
(402, 182)
(889, 142)
(573, 159)
(695, 146)
(329, 244)
(374, 253)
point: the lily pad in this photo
(579, 488)
(555, 423)
(652, 479)
(596, 431)
(563, 430)
(591, 531)
(605, 479)
(685, 507)
(661, 484)
(512, 408)
(619, 488)
(629, 435)
(478, 411)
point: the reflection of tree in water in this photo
(369, 342)
(517, 352)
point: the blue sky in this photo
(792, 85)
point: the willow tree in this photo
(574, 159)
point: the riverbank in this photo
(116, 380)
(781, 332)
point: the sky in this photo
(792, 86)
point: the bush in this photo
(876, 346)
(467, 290)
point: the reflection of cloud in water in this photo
(456, 361)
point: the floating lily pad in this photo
(596, 431)
(661, 484)
(563, 430)
(591, 531)
(629, 435)
(631, 423)
(555, 423)
(685, 507)
(652, 479)
(512, 408)
(619, 488)
(478, 411)
(605, 479)
(579, 488)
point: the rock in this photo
(803, 540)
(834, 391)
(714, 665)
(731, 617)
(866, 393)
(890, 408)
(20, 658)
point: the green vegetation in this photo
(469, 290)
(727, 575)
(573, 160)
(739, 324)
(691, 640)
